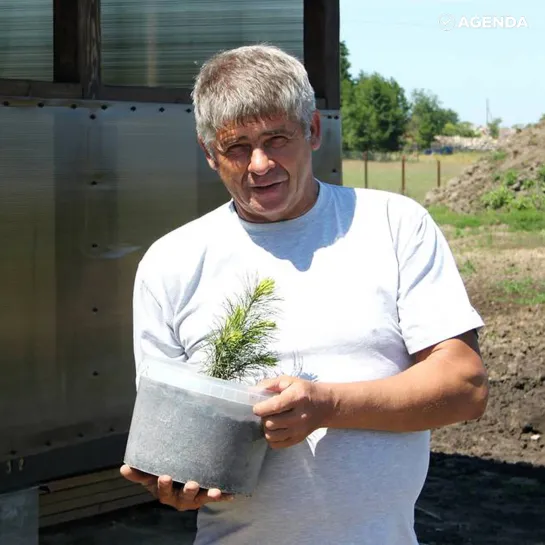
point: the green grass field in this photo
(421, 177)
(420, 174)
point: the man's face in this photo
(266, 165)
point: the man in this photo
(372, 304)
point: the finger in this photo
(214, 494)
(290, 442)
(279, 421)
(201, 498)
(192, 496)
(190, 500)
(165, 491)
(190, 491)
(279, 404)
(276, 384)
(136, 476)
(278, 436)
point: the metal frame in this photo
(65, 38)
(322, 48)
(88, 457)
(19, 517)
(77, 58)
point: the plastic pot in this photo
(198, 428)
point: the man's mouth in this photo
(264, 187)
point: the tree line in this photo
(378, 116)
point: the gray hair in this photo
(251, 82)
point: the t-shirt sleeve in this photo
(153, 334)
(433, 304)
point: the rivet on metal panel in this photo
(112, 430)
(40, 104)
(92, 116)
(334, 170)
(95, 309)
(104, 107)
(94, 182)
(6, 103)
(94, 245)
(133, 108)
(48, 443)
(95, 373)
(188, 110)
(336, 117)
(161, 109)
(21, 464)
(330, 117)
(81, 435)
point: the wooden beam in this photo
(99, 507)
(65, 41)
(89, 46)
(322, 49)
(145, 94)
(38, 89)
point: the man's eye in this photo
(277, 141)
(237, 150)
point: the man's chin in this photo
(259, 214)
(269, 203)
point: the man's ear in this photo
(316, 131)
(209, 157)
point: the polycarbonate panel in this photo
(164, 42)
(26, 39)
(84, 191)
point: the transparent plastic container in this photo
(186, 377)
(193, 427)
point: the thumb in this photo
(136, 476)
(275, 404)
(276, 384)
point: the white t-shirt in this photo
(366, 279)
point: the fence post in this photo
(366, 173)
(438, 172)
(403, 175)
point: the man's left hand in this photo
(299, 408)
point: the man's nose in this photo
(260, 163)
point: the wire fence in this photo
(410, 174)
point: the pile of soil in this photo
(486, 483)
(523, 152)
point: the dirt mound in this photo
(513, 176)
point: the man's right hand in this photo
(190, 497)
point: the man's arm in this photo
(447, 384)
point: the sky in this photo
(448, 47)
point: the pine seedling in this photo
(239, 345)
